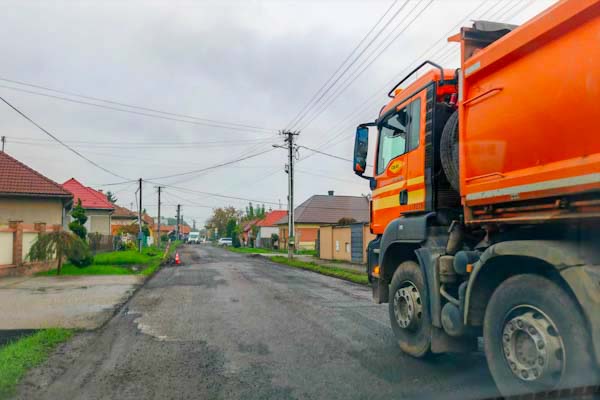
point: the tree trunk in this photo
(59, 255)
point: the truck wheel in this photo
(535, 338)
(449, 150)
(409, 310)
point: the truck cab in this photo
(407, 175)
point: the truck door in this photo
(399, 169)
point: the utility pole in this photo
(158, 233)
(140, 216)
(194, 225)
(289, 139)
(177, 228)
(3, 141)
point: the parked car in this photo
(193, 238)
(225, 242)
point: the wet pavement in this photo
(231, 326)
(79, 302)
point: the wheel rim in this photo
(408, 309)
(533, 347)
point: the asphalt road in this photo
(231, 326)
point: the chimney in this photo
(330, 192)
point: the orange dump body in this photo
(529, 119)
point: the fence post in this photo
(17, 241)
(40, 227)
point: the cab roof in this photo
(432, 75)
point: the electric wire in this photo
(293, 121)
(22, 114)
(154, 110)
(144, 114)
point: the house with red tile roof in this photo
(97, 207)
(120, 217)
(30, 203)
(247, 236)
(319, 210)
(268, 226)
(30, 197)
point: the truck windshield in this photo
(392, 139)
(398, 134)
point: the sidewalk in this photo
(81, 302)
(359, 268)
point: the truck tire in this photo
(535, 338)
(409, 310)
(449, 150)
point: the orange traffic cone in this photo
(177, 260)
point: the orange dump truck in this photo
(486, 201)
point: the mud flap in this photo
(380, 290)
(443, 343)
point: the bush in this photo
(79, 219)
(130, 245)
(81, 256)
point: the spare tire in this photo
(449, 150)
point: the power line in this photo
(59, 141)
(293, 121)
(374, 96)
(352, 63)
(108, 101)
(305, 172)
(213, 166)
(151, 145)
(342, 88)
(144, 114)
(326, 154)
(444, 55)
(212, 194)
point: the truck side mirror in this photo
(361, 147)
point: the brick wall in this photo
(16, 238)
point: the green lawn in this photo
(325, 270)
(127, 257)
(19, 356)
(119, 263)
(254, 250)
(251, 250)
(70, 269)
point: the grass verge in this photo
(119, 263)
(70, 269)
(255, 250)
(251, 250)
(21, 355)
(324, 270)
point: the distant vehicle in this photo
(225, 242)
(194, 238)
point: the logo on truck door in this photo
(395, 167)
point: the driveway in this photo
(229, 326)
(82, 302)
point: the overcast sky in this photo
(254, 63)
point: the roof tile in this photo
(326, 209)
(90, 198)
(17, 178)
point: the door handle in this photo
(404, 197)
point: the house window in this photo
(337, 245)
(347, 247)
